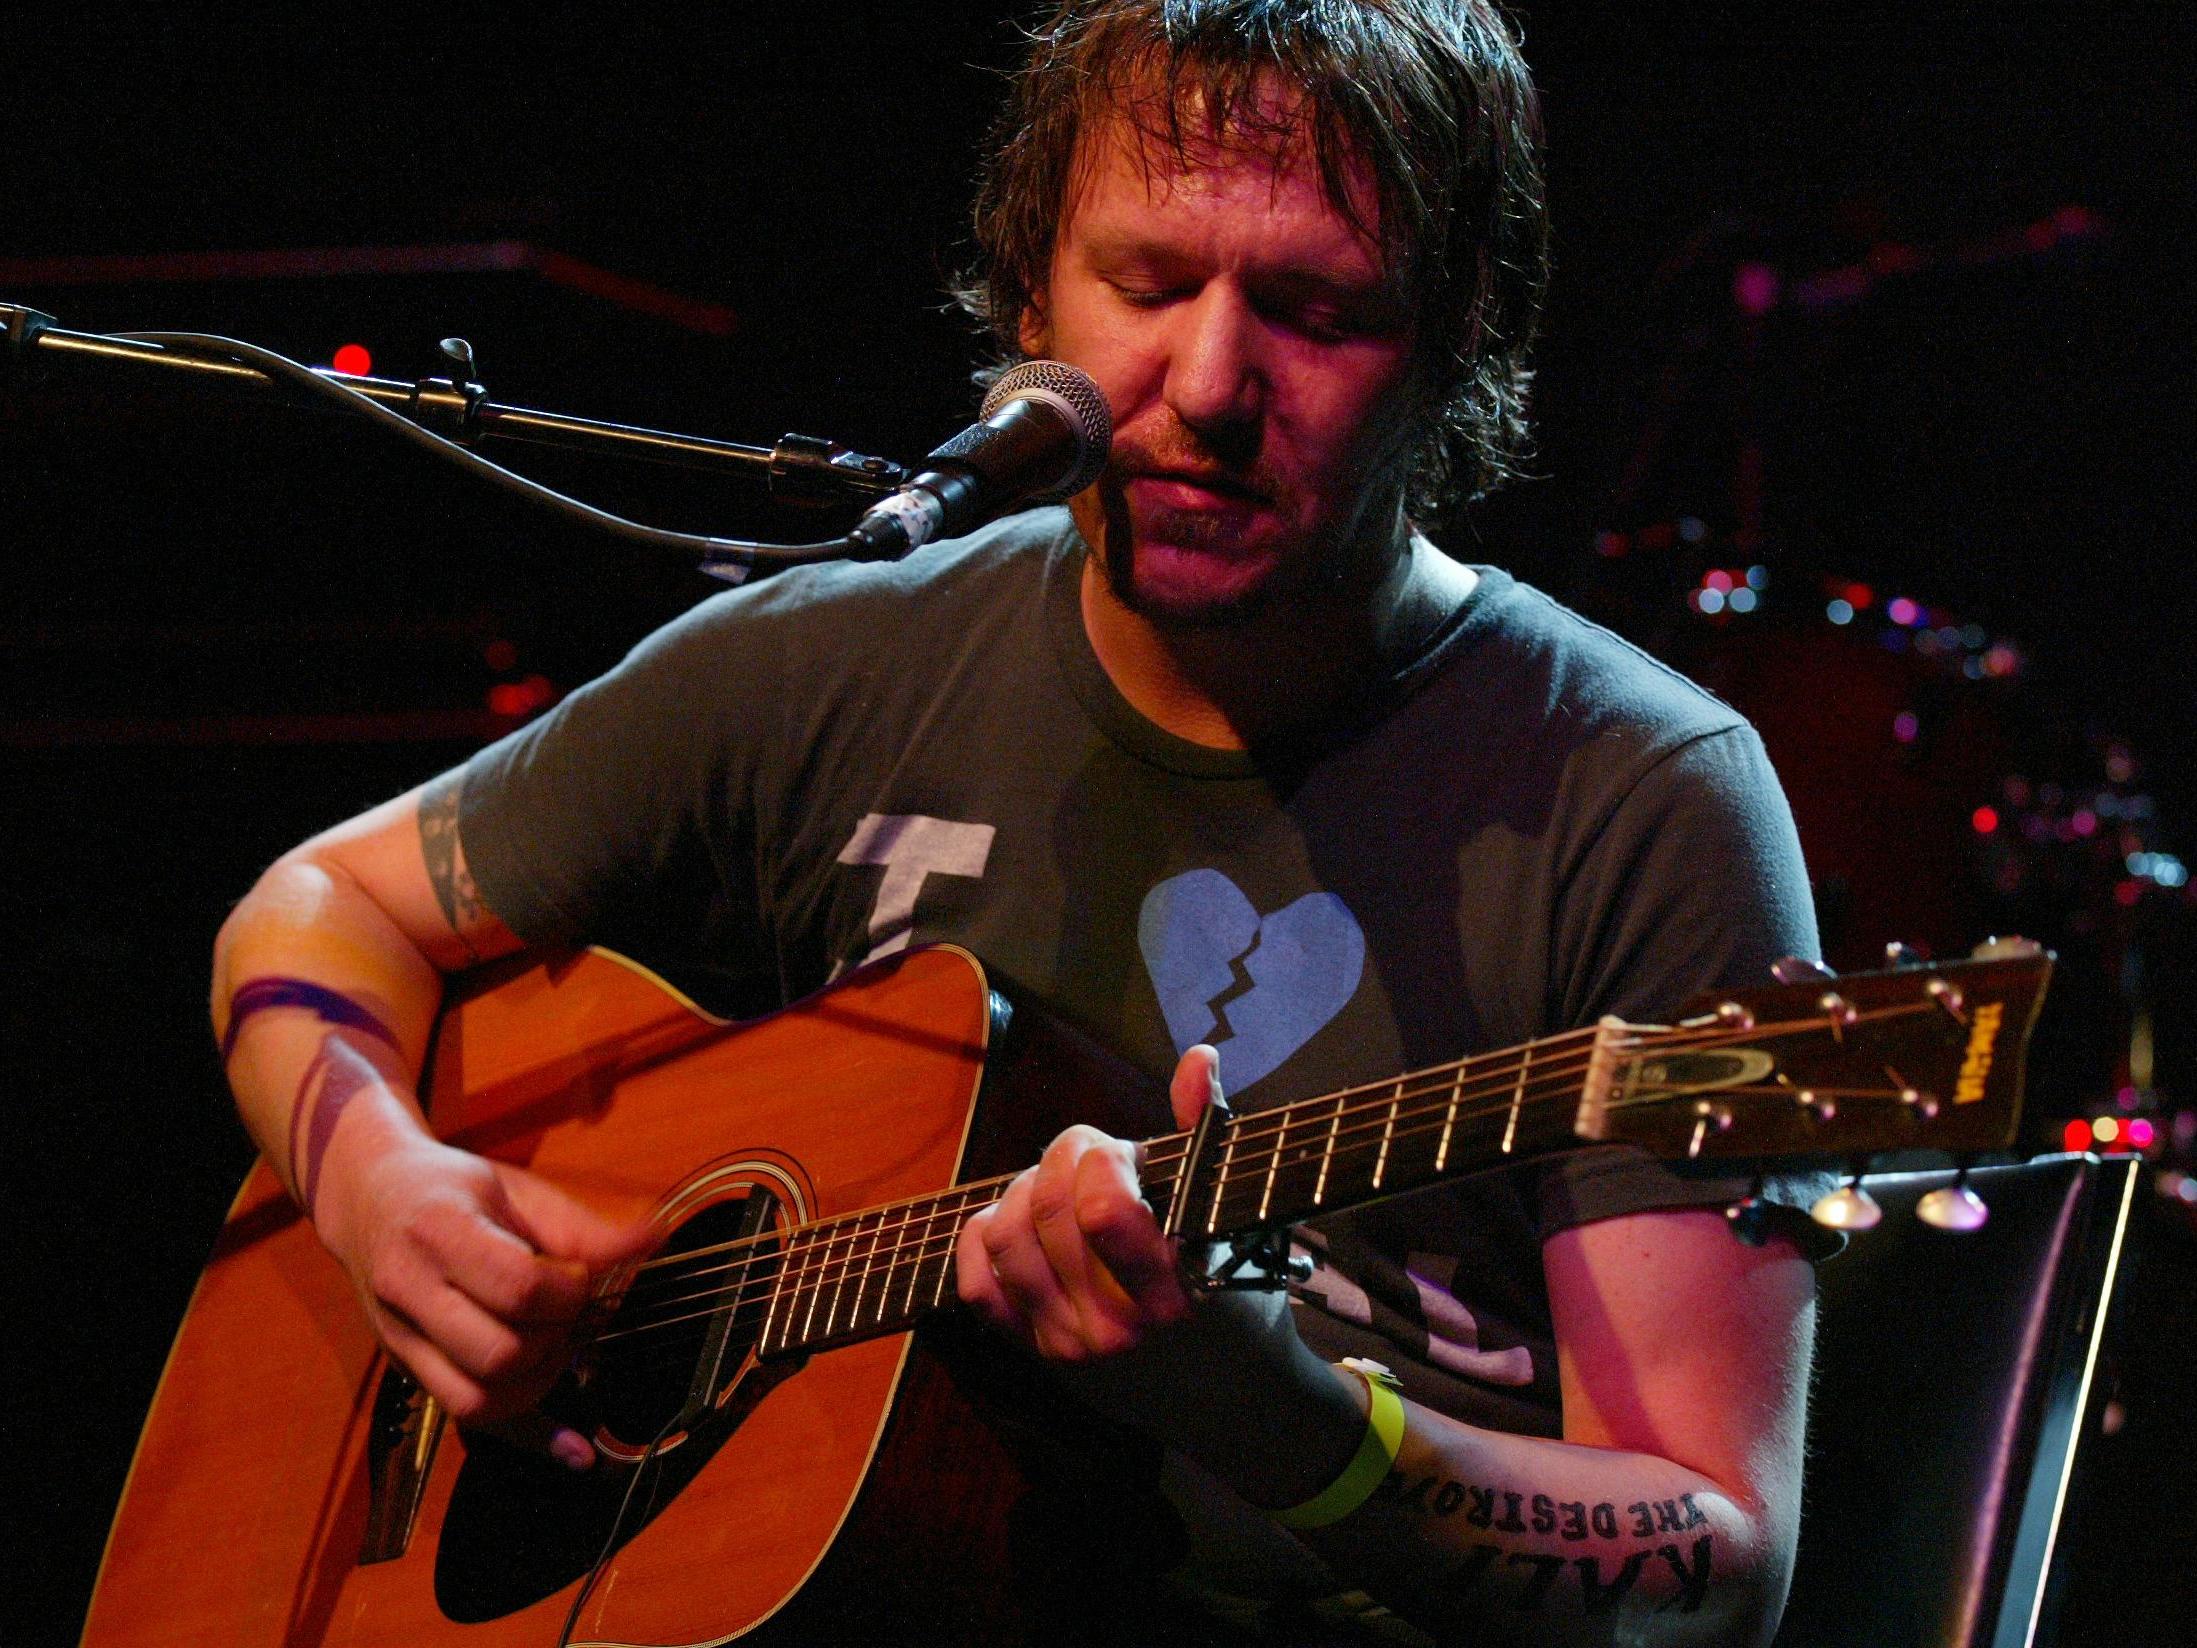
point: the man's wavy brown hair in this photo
(1431, 96)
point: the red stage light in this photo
(354, 360)
(1985, 819)
(516, 698)
(1755, 288)
(2076, 1135)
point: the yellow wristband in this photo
(1369, 1466)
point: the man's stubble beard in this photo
(1322, 571)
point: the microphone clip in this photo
(451, 406)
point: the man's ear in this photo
(1035, 333)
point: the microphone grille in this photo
(1079, 400)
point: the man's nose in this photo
(1216, 380)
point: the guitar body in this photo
(292, 1488)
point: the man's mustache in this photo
(1189, 463)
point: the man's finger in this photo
(536, 1432)
(463, 1396)
(565, 1228)
(1135, 1262)
(975, 1280)
(1023, 1270)
(501, 1271)
(1196, 1084)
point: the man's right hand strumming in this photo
(327, 980)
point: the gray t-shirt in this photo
(1529, 824)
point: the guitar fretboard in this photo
(883, 1269)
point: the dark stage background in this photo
(1901, 302)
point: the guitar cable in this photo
(610, 1540)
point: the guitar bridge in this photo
(406, 1425)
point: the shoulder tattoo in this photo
(445, 858)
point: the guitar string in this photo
(1452, 1068)
(932, 1246)
(1253, 1130)
(1705, 1039)
(1156, 1154)
(829, 1260)
(1159, 1155)
(819, 1266)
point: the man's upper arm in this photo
(1675, 1338)
(406, 856)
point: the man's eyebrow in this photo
(1105, 246)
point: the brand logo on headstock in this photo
(1976, 1067)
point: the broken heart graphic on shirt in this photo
(1256, 987)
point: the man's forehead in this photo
(1170, 140)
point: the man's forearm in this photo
(1551, 1541)
(1556, 1541)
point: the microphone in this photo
(1043, 435)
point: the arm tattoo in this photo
(453, 882)
(260, 994)
(1530, 1580)
(340, 1072)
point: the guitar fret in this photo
(1327, 1152)
(1388, 1133)
(814, 1286)
(836, 1269)
(878, 1260)
(915, 1263)
(770, 1309)
(1449, 1118)
(945, 1274)
(835, 1273)
(924, 1260)
(790, 1284)
(1220, 1181)
(1273, 1166)
(869, 1258)
(1517, 1097)
(890, 1264)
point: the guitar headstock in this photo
(1911, 1058)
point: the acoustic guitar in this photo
(801, 1440)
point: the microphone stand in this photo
(449, 415)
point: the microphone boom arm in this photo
(447, 415)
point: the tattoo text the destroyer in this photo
(1532, 1578)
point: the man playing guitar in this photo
(1249, 778)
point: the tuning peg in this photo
(1953, 1207)
(1898, 955)
(1949, 997)
(1847, 1208)
(1750, 1215)
(1800, 970)
(457, 355)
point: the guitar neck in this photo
(883, 1269)
(1909, 1058)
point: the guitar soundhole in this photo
(665, 1364)
(672, 1366)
